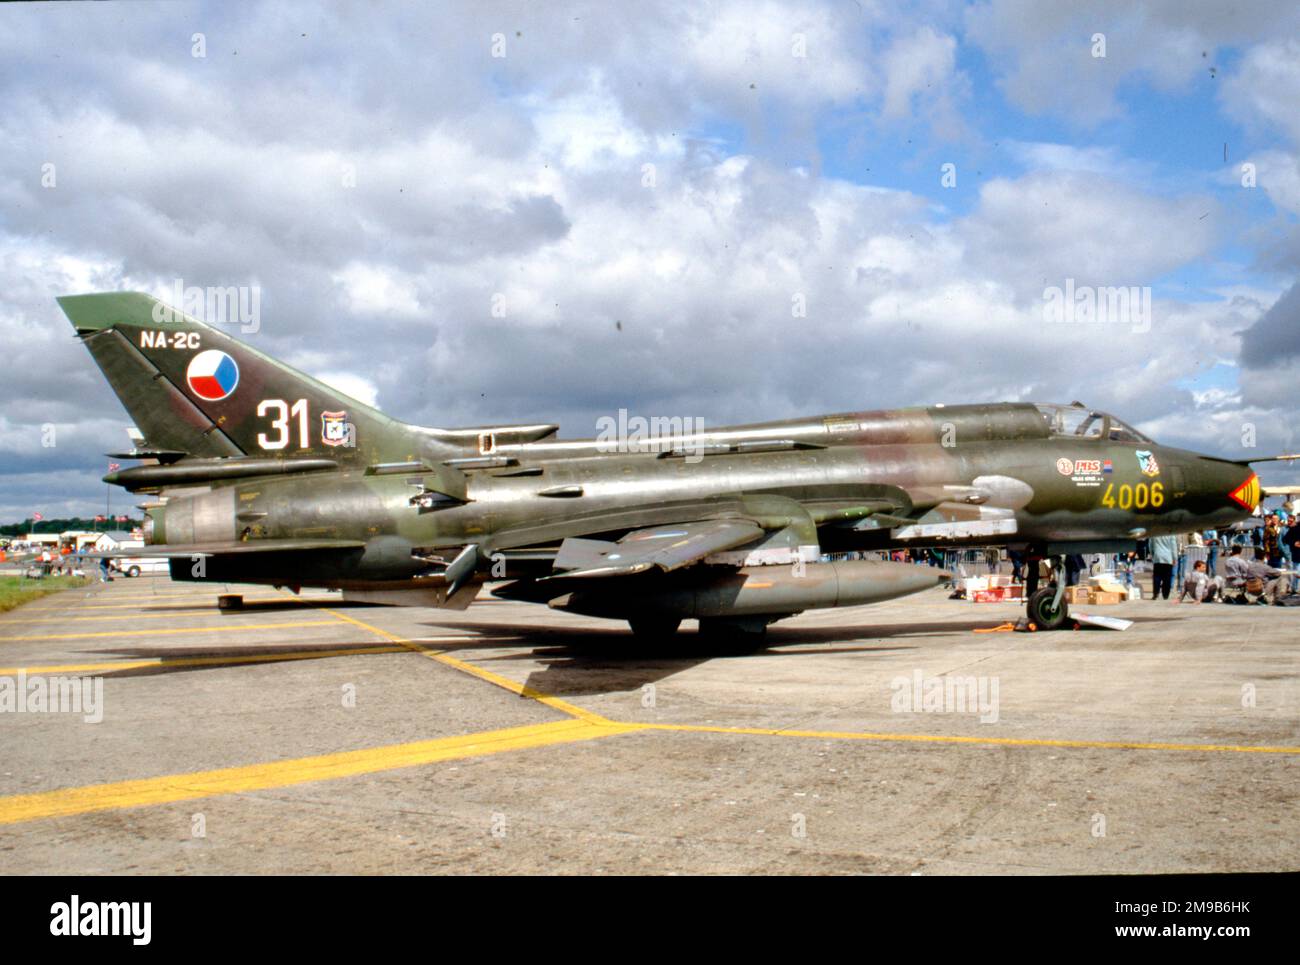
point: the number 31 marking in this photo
(280, 423)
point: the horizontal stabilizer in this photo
(190, 471)
(162, 455)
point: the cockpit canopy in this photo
(1077, 421)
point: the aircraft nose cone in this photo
(1221, 492)
(1245, 493)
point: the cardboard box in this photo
(1102, 598)
(998, 594)
(1078, 594)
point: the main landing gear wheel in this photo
(1044, 612)
(734, 635)
(654, 628)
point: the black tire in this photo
(729, 636)
(654, 628)
(1040, 612)
(133, 571)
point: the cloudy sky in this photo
(647, 194)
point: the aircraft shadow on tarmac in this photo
(578, 660)
(588, 661)
(179, 659)
(617, 641)
(260, 606)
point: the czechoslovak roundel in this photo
(212, 375)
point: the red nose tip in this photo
(1247, 494)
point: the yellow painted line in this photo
(953, 739)
(324, 767)
(140, 593)
(486, 675)
(89, 593)
(87, 598)
(196, 661)
(198, 602)
(172, 631)
(100, 618)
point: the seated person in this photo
(1270, 577)
(1237, 569)
(1200, 586)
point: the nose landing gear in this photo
(1047, 609)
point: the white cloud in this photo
(731, 45)
(1039, 230)
(523, 177)
(1277, 174)
(1044, 52)
(376, 290)
(356, 386)
(1093, 159)
(921, 77)
(1265, 88)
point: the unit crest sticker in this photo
(1147, 462)
(335, 430)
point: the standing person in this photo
(1164, 552)
(1033, 570)
(1124, 564)
(1181, 565)
(1291, 549)
(1017, 565)
(952, 563)
(105, 574)
(1272, 541)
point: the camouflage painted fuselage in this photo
(263, 474)
(962, 475)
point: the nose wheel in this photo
(1047, 609)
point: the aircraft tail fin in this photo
(193, 388)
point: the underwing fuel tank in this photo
(759, 591)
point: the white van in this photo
(143, 565)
